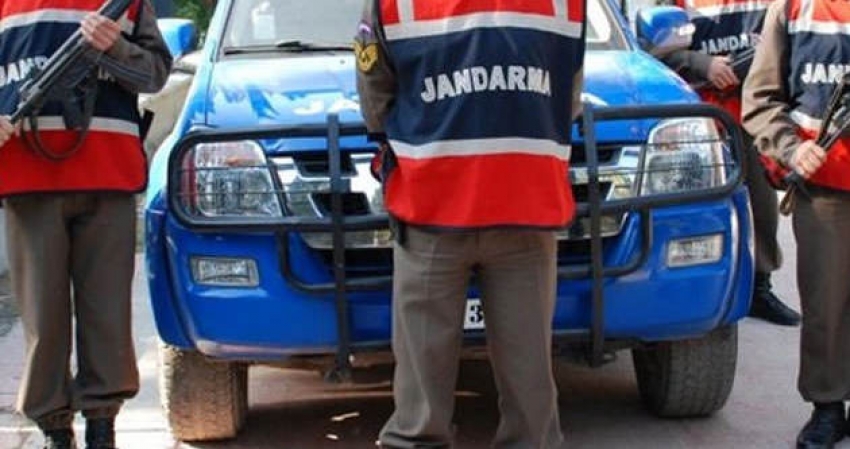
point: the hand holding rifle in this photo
(721, 74)
(63, 72)
(808, 158)
(100, 32)
(811, 155)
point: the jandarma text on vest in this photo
(17, 71)
(723, 45)
(819, 73)
(481, 79)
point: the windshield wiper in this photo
(287, 46)
(299, 46)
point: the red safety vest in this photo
(481, 123)
(819, 41)
(111, 157)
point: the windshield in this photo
(267, 23)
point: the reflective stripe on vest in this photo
(111, 157)
(464, 161)
(819, 41)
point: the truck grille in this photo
(306, 181)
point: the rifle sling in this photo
(32, 136)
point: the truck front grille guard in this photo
(338, 224)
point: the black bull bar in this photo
(338, 224)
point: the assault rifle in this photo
(40, 82)
(62, 73)
(835, 125)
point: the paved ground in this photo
(600, 408)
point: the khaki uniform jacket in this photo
(766, 109)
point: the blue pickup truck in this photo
(267, 242)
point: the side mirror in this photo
(662, 29)
(180, 35)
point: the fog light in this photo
(695, 251)
(225, 272)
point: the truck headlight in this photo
(229, 179)
(683, 155)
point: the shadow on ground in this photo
(295, 410)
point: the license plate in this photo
(474, 318)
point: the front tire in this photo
(688, 378)
(203, 399)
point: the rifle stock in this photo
(36, 88)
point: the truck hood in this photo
(292, 90)
(304, 89)
(627, 78)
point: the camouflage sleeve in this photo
(376, 78)
(765, 110)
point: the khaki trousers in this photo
(516, 271)
(822, 230)
(72, 258)
(765, 212)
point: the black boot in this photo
(826, 427)
(768, 307)
(100, 433)
(59, 439)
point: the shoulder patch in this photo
(364, 29)
(367, 56)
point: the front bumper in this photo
(276, 319)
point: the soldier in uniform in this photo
(724, 28)
(473, 188)
(804, 51)
(71, 210)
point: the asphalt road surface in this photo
(600, 408)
